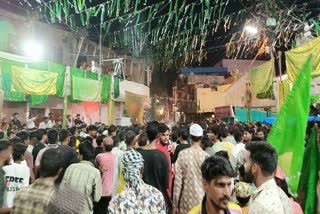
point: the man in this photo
(37, 197)
(84, 177)
(93, 131)
(15, 121)
(130, 137)
(137, 197)
(188, 191)
(30, 122)
(224, 144)
(247, 134)
(32, 141)
(64, 137)
(17, 175)
(52, 143)
(162, 145)
(83, 130)
(260, 164)
(261, 133)
(41, 142)
(238, 152)
(156, 169)
(112, 131)
(184, 144)
(24, 136)
(69, 121)
(77, 121)
(5, 156)
(217, 178)
(117, 151)
(51, 123)
(99, 148)
(107, 164)
(44, 123)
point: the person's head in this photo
(52, 136)
(64, 136)
(132, 165)
(33, 137)
(260, 161)
(73, 142)
(74, 131)
(69, 117)
(46, 119)
(24, 136)
(18, 152)
(142, 140)
(42, 135)
(99, 140)
(78, 116)
(217, 176)
(11, 135)
(51, 164)
(122, 136)
(214, 132)
(152, 130)
(164, 133)
(261, 134)
(50, 115)
(136, 129)
(15, 115)
(247, 134)
(116, 141)
(5, 152)
(206, 142)
(238, 136)
(174, 136)
(83, 127)
(243, 193)
(130, 135)
(184, 133)
(196, 133)
(108, 144)
(112, 130)
(93, 131)
(86, 151)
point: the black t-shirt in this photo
(16, 123)
(37, 147)
(156, 169)
(178, 150)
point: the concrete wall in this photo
(208, 99)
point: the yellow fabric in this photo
(135, 106)
(223, 88)
(111, 112)
(296, 58)
(32, 81)
(77, 145)
(283, 88)
(261, 77)
(121, 181)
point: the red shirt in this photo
(164, 149)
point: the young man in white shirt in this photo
(17, 175)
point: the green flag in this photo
(86, 89)
(288, 132)
(261, 77)
(309, 175)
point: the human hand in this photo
(175, 211)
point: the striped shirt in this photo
(87, 180)
(34, 198)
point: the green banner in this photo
(86, 89)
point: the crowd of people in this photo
(197, 168)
